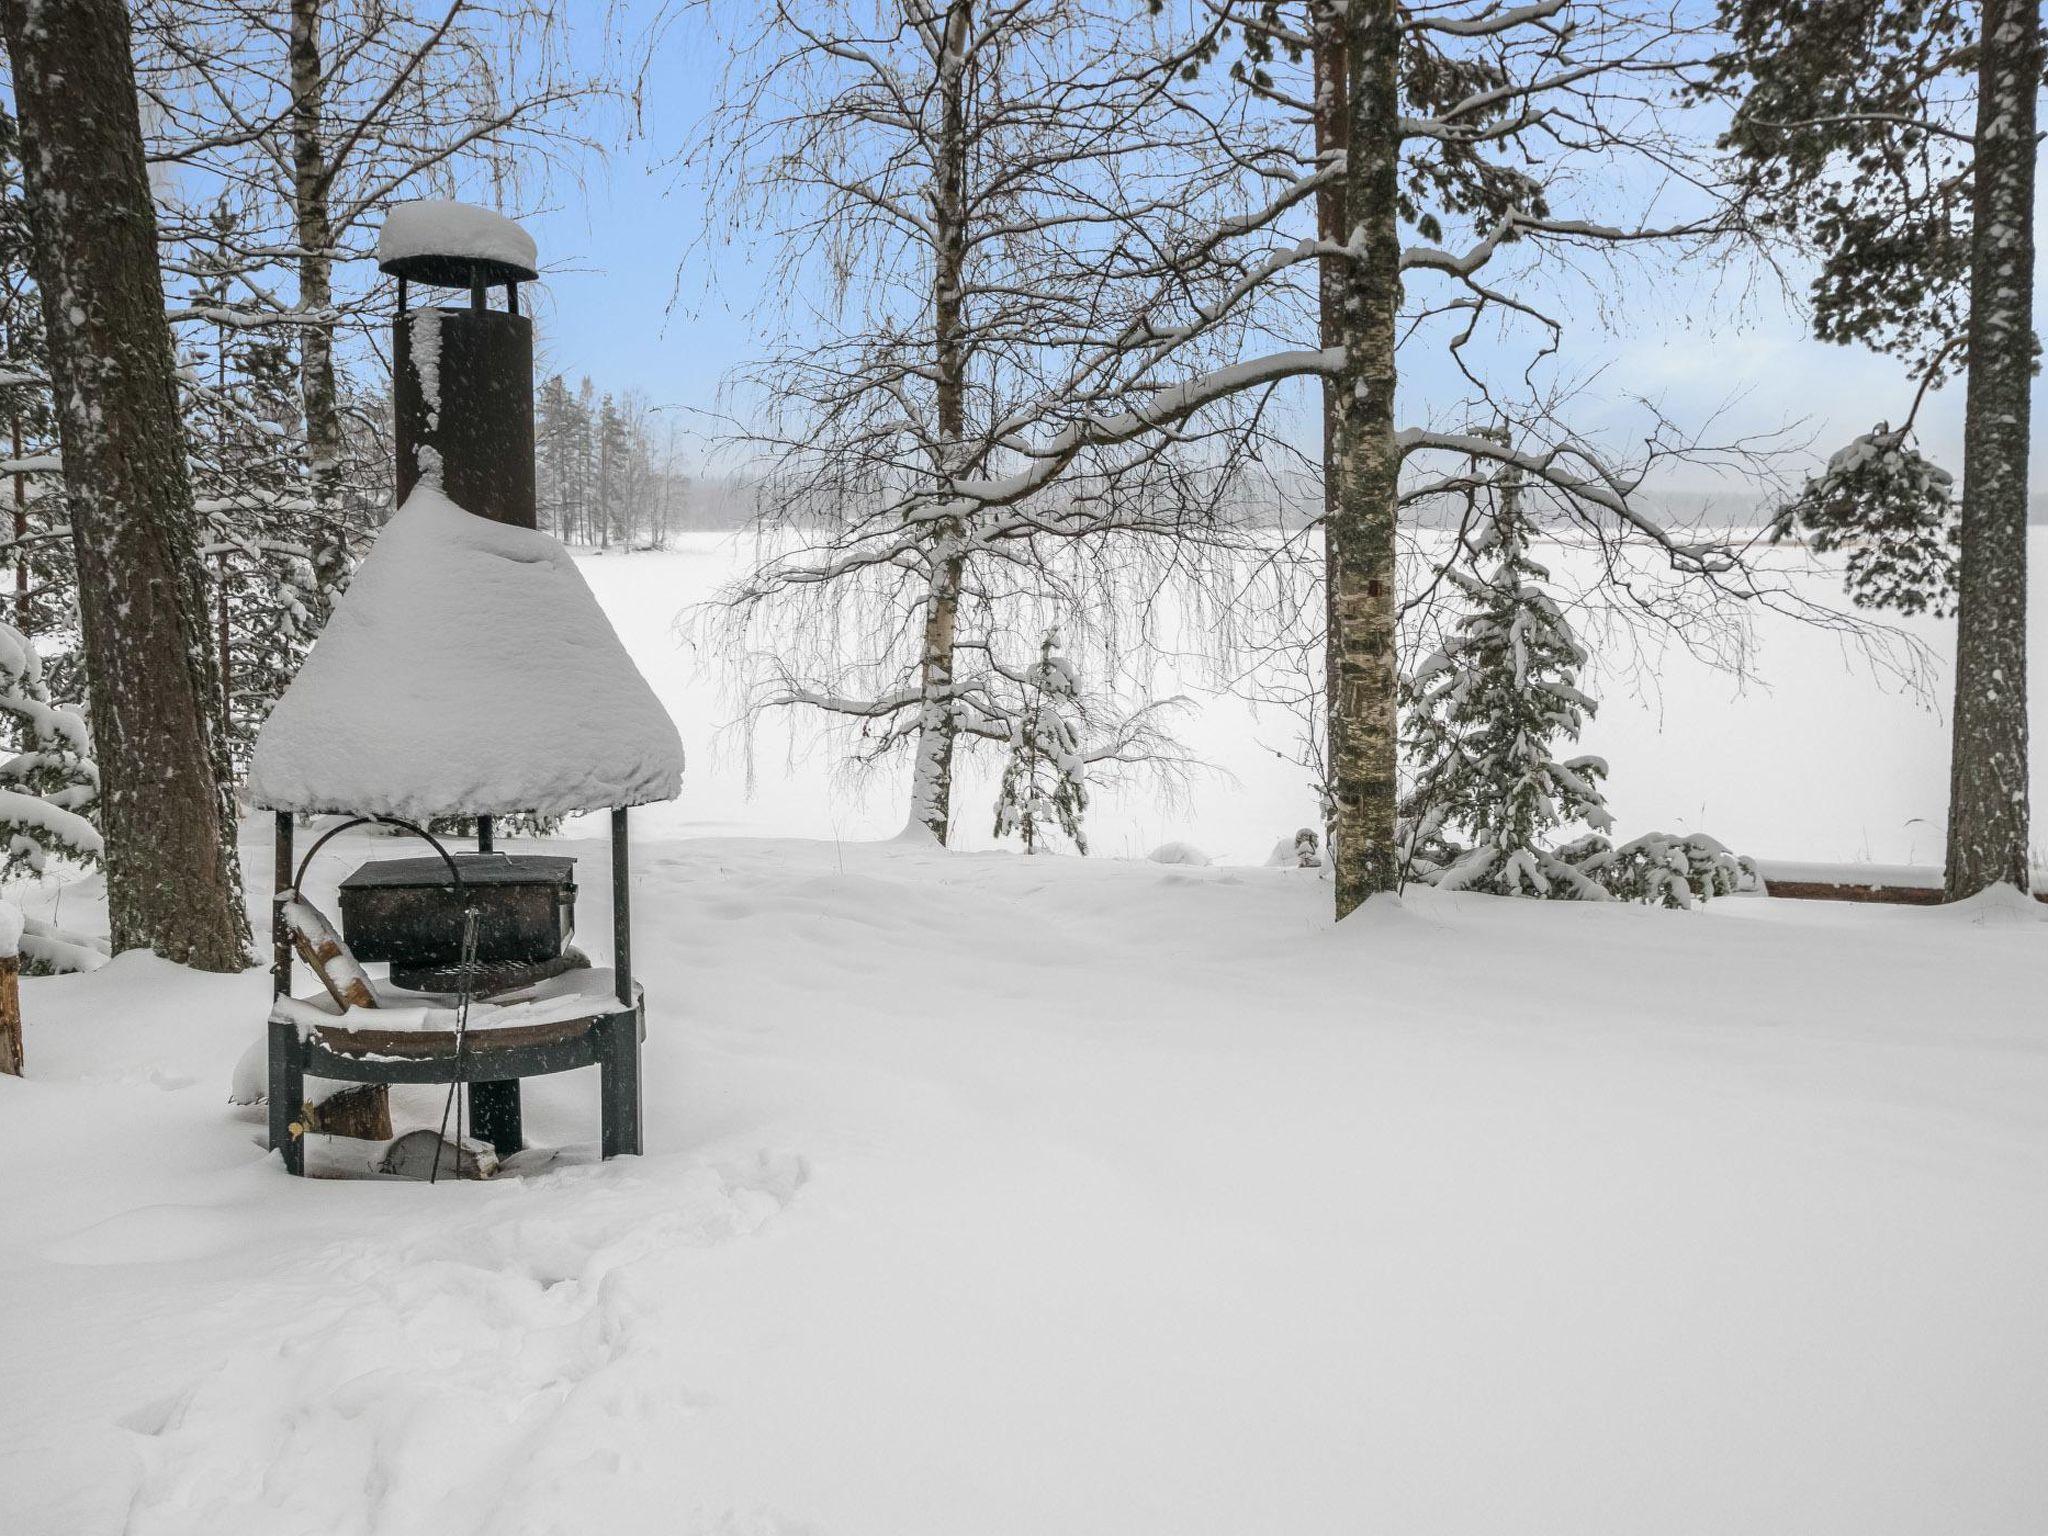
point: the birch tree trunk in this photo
(1333, 123)
(931, 785)
(1359, 536)
(1987, 819)
(938, 726)
(312, 179)
(173, 883)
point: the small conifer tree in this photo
(1484, 713)
(1044, 782)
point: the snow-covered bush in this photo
(1304, 850)
(1892, 512)
(1660, 868)
(1483, 715)
(1045, 781)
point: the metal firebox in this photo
(408, 912)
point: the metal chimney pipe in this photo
(462, 382)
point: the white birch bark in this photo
(1359, 534)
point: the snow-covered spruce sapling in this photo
(1891, 512)
(1045, 781)
(1660, 868)
(1484, 712)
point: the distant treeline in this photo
(609, 467)
(1291, 500)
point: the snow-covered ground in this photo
(988, 1194)
(1810, 753)
(991, 1194)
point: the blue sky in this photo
(633, 300)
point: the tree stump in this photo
(10, 1015)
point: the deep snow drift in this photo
(990, 1194)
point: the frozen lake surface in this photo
(1812, 753)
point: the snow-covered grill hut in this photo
(467, 672)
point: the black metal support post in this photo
(287, 1096)
(621, 1061)
(494, 1115)
(619, 1088)
(485, 840)
(281, 883)
(622, 901)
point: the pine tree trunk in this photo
(938, 729)
(311, 182)
(1359, 537)
(1987, 819)
(173, 883)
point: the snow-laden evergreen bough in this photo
(48, 787)
(1891, 513)
(50, 783)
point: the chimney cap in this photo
(448, 244)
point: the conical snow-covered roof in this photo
(467, 670)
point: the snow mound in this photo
(415, 234)
(1996, 906)
(1180, 853)
(1304, 850)
(467, 670)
